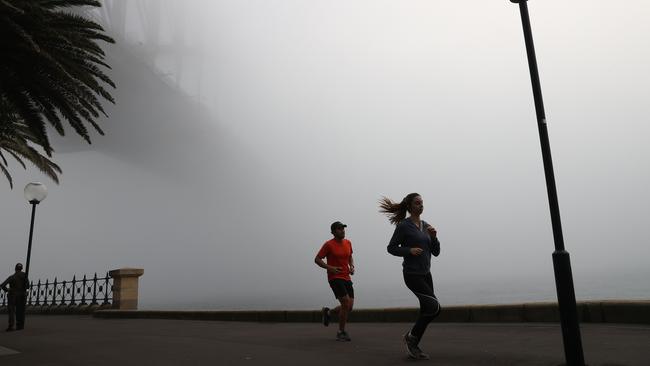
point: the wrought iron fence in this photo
(85, 291)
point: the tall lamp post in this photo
(35, 192)
(561, 262)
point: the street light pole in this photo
(561, 262)
(35, 192)
(31, 234)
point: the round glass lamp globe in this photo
(35, 191)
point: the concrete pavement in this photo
(82, 340)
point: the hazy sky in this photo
(242, 129)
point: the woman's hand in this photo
(432, 231)
(416, 251)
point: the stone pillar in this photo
(125, 287)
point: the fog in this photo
(242, 129)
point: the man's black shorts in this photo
(341, 288)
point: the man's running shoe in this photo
(326, 316)
(347, 336)
(342, 336)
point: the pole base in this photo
(568, 309)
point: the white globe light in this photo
(35, 191)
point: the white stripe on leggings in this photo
(432, 297)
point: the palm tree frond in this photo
(7, 175)
(51, 73)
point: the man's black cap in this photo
(337, 225)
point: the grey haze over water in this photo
(242, 129)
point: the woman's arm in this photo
(435, 243)
(395, 245)
(435, 247)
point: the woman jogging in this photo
(415, 241)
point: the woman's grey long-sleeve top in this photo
(406, 236)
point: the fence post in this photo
(53, 293)
(74, 283)
(38, 293)
(83, 291)
(47, 285)
(63, 286)
(94, 290)
(30, 292)
(105, 290)
(125, 287)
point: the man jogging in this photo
(339, 266)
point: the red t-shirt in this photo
(338, 254)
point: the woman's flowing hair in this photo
(396, 212)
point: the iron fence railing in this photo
(85, 291)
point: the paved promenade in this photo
(82, 340)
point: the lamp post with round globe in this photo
(35, 193)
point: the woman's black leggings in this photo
(422, 287)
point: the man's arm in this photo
(4, 284)
(320, 263)
(351, 265)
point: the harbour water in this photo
(632, 286)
